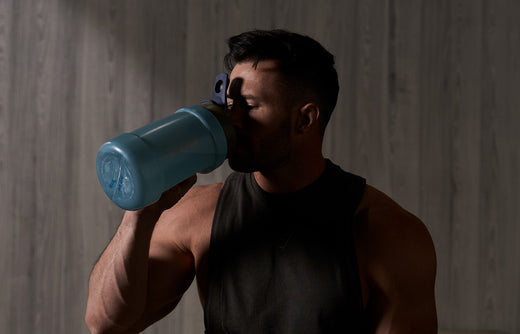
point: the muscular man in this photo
(289, 243)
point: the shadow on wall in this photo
(144, 41)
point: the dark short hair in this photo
(302, 60)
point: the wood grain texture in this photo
(7, 270)
(428, 112)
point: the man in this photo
(288, 244)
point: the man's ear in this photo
(308, 117)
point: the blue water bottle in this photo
(135, 168)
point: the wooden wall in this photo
(429, 112)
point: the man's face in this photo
(261, 115)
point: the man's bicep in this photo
(169, 277)
(405, 314)
(406, 280)
(170, 273)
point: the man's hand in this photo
(171, 196)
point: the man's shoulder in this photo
(198, 200)
(187, 224)
(392, 240)
(378, 209)
(208, 192)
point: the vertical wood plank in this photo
(434, 167)
(403, 82)
(21, 149)
(6, 218)
(57, 244)
(462, 129)
(489, 204)
(509, 171)
(342, 41)
(495, 157)
(369, 152)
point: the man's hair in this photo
(302, 61)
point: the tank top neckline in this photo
(294, 195)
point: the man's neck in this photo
(291, 176)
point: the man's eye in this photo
(242, 104)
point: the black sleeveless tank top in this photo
(285, 263)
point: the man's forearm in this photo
(118, 283)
